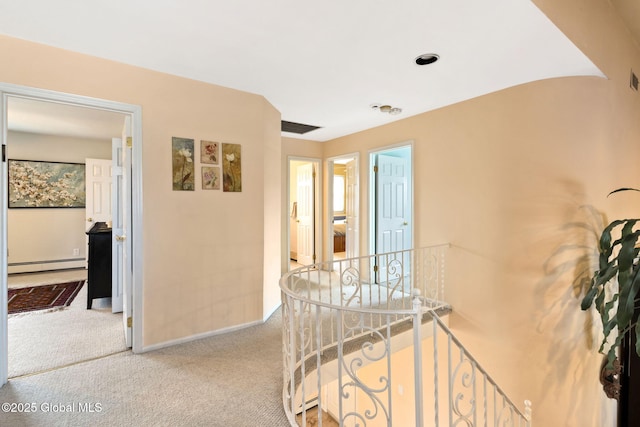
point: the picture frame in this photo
(231, 168)
(44, 184)
(211, 177)
(182, 160)
(209, 152)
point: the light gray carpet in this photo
(231, 380)
(41, 340)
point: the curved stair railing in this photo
(366, 342)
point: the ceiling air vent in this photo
(298, 128)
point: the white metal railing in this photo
(363, 340)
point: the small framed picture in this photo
(210, 177)
(209, 152)
(183, 167)
(231, 168)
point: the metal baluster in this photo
(303, 398)
(292, 353)
(417, 348)
(340, 374)
(390, 387)
(474, 393)
(319, 362)
(435, 371)
(450, 380)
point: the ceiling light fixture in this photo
(387, 109)
(427, 58)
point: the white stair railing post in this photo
(528, 412)
(417, 355)
(436, 388)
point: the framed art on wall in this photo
(231, 168)
(210, 177)
(209, 152)
(40, 184)
(182, 162)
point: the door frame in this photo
(330, 164)
(317, 208)
(372, 190)
(135, 112)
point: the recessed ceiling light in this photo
(427, 58)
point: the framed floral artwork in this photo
(183, 167)
(209, 152)
(210, 177)
(231, 168)
(38, 184)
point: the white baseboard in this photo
(195, 337)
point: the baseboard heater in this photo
(45, 265)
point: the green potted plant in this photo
(614, 290)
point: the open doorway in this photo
(343, 198)
(11, 94)
(304, 225)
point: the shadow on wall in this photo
(572, 333)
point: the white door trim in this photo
(135, 112)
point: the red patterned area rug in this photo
(43, 297)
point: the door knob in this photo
(89, 219)
(405, 223)
(121, 238)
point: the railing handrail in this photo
(478, 366)
(284, 280)
(341, 314)
(359, 258)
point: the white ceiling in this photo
(322, 63)
(27, 115)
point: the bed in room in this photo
(339, 231)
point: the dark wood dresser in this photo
(99, 264)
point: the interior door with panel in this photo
(393, 213)
(121, 244)
(306, 213)
(99, 176)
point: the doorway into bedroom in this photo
(304, 211)
(63, 255)
(47, 235)
(343, 198)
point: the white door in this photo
(98, 175)
(393, 211)
(351, 210)
(393, 214)
(121, 244)
(306, 214)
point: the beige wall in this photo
(37, 235)
(511, 179)
(517, 182)
(210, 258)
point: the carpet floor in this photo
(43, 340)
(230, 380)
